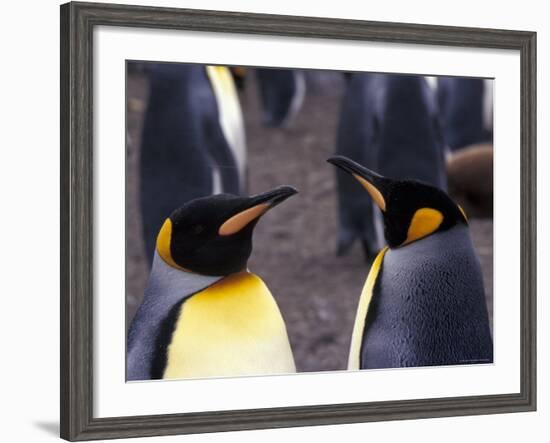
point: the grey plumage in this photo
(428, 306)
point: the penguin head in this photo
(213, 235)
(411, 209)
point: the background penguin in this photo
(204, 314)
(423, 303)
(282, 93)
(470, 174)
(388, 123)
(193, 141)
(466, 109)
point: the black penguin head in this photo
(213, 235)
(411, 209)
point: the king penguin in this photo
(423, 303)
(389, 123)
(466, 108)
(192, 141)
(282, 92)
(204, 314)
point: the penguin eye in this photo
(197, 229)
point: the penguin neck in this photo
(434, 243)
(180, 281)
(176, 282)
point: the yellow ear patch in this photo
(163, 244)
(373, 191)
(424, 222)
(240, 220)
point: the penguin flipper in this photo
(151, 327)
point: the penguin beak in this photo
(371, 181)
(255, 207)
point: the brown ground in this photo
(294, 244)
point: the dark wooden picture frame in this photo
(77, 24)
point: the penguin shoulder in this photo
(434, 271)
(440, 249)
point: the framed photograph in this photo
(272, 221)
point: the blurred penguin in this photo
(470, 172)
(282, 93)
(193, 142)
(466, 110)
(388, 123)
(467, 114)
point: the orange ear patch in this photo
(163, 243)
(424, 222)
(240, 220)
(373, 191)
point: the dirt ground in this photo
(294, 245)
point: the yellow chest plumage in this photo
(233, 327)
(361, 315)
